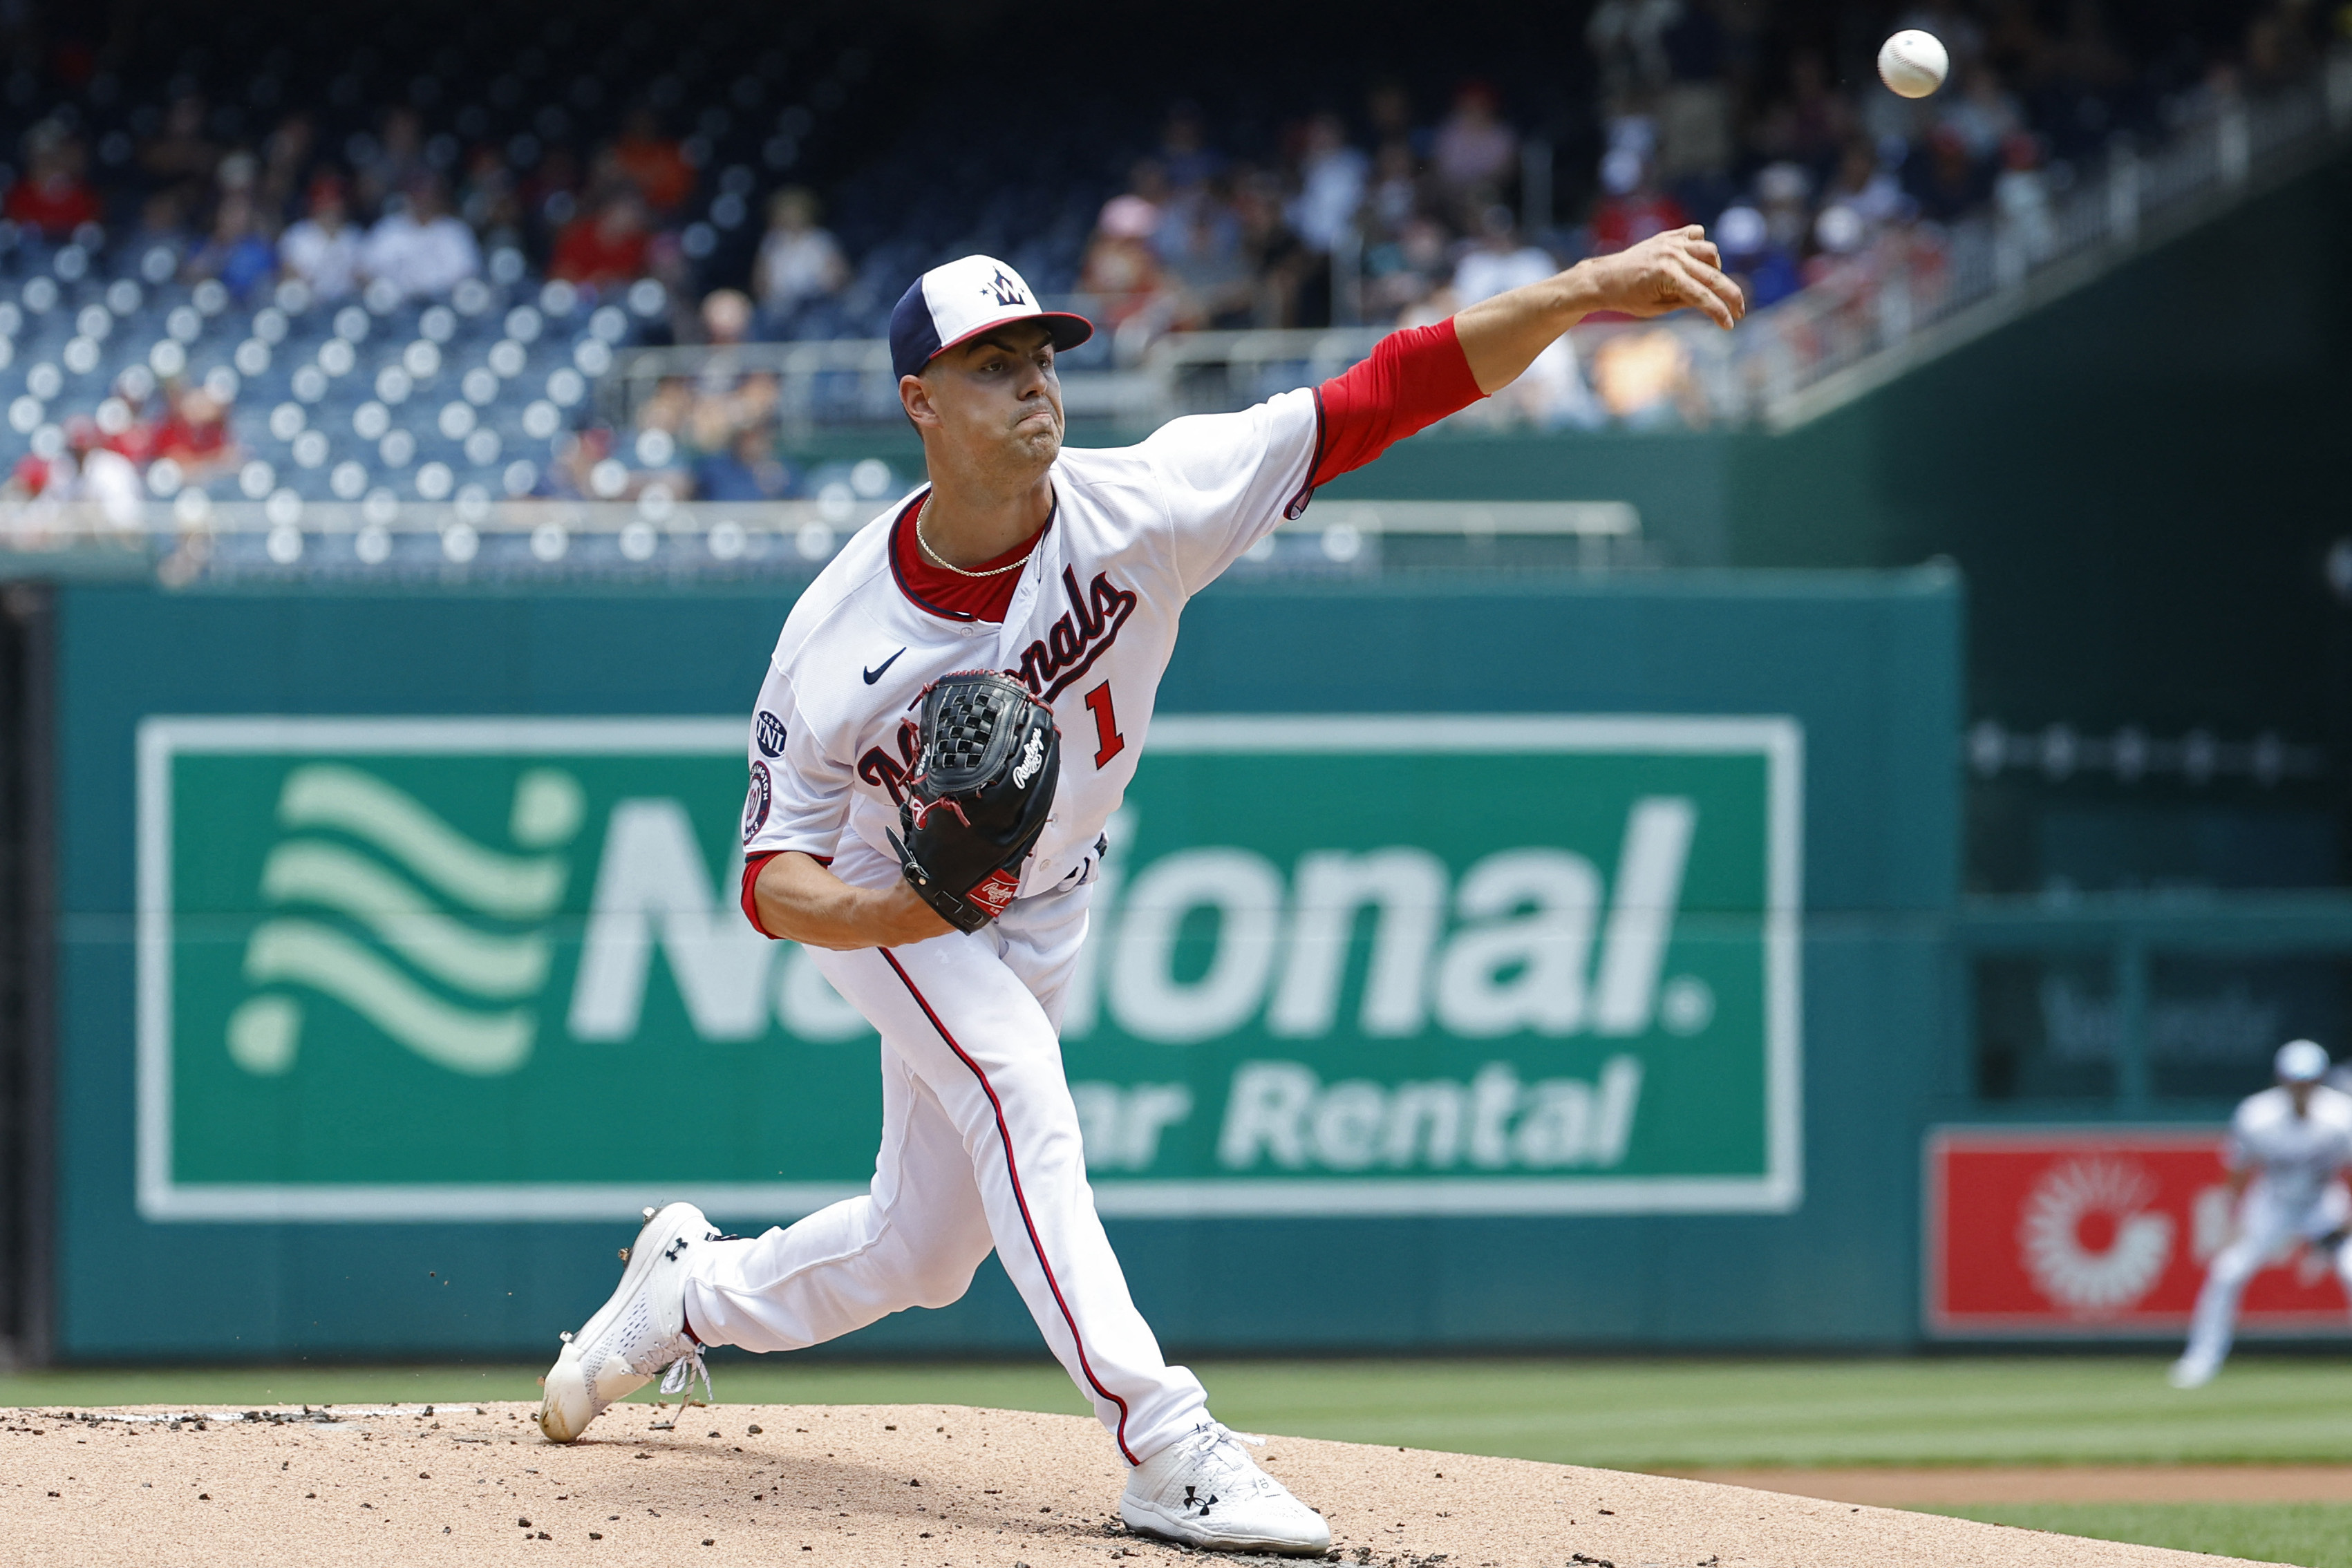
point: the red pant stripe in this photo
(1011, 1169)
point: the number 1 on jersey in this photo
(1108, 742)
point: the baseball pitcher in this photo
(949, 718)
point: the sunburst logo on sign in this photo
(2090, 1238)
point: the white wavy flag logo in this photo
(443, 917)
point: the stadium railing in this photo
(2134, 930)
(288, 540)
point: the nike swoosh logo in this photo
(874, 674)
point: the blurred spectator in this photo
(195, 436)
(747, 469)
(1765, 271)
(421, 249)
(1811, 122)
(2020, 199)
(1121, 271)
(1396, 188)
(550, 193)
(323, 248)
(1627, 41)
(124, 419)
(1952, 182)
(798, 261)
(577, 471)
(1205, 265)
(99, 476)
(1498, 263)
(1983, 116)
(726, 317)
(653, 161)
(1633, 208)
(605, 246)
(1474, 151)
(1644, 380)
(238, 253)
(1693, 107)
(715, 407)
(1432, 308)
(179, 158)
(1404, 270)
(1839, 236)
(163, 225)
(1292, 289)
(384, 166)
(52, 196)
(1873, 192)
(1387, 107)
(1185, 155)
(1331, 176)
(487, 201)
(2085, 60)
(286, 155)
(670, 407)
(1782, 193)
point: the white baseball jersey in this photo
(2296, 1157)
(1135, 531)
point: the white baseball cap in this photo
(957, 302)
(2300, 1061)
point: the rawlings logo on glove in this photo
(1033, 757)
(987, 762)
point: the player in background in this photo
(2287, 1148)
(1066, 570)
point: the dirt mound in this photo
(903, 1486)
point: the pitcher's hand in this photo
(1676, 270)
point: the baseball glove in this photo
(983, 785)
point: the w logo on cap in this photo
(958, 301)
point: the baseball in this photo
(1913, 63)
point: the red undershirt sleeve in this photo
(752, 867)
(1414, 378)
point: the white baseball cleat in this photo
(1203, 1491)
(2192, 1372)
(640, 1331)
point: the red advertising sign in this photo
(2099, 1232)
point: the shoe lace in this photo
(1214, 1439)
(680, 1378)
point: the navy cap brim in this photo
(1068, 330)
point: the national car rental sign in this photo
(1339, 965)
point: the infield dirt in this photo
(903, 1486)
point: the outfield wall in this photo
(1541, 963)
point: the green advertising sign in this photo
(493, 969)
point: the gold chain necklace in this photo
(925, 510)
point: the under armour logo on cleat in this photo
(674, 1248)
(1195, 1503)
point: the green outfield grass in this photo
(2311, 1535)
(1626, 1414)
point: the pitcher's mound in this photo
(891, 1485)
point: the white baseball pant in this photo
(2264, 1223)
(980, 1150)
